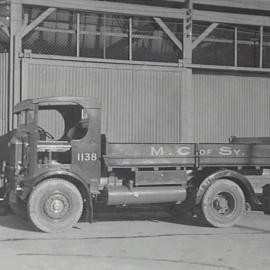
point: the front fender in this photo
(79, 182)
(61, 173)
(69, 176)
(58, 173)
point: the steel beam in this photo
(203, 35)
(122, 63)
(37, 21)
(170, 34)
(245, 4)
(230, 68)
(115, 34)
(107, 7)
(162, 12)
(221, 17)
(141, 64)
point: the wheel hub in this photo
(56, 206)
(222, 204)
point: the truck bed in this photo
(188, 155)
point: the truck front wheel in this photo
(223, 204)
(55, 205)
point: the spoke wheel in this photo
(55, 205)
(223, 204)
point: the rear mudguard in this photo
(234, 176)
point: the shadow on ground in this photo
(154, 214)
(14, 222)
(108, 214)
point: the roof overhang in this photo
(85, 102)
(82, 4)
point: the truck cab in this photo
(58, 166)
(57, 139)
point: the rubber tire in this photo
(41, 194)
(210, 215)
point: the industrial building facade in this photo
(165, 71)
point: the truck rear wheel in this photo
(55, 205)
(223, 204)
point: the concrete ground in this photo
(132, 239)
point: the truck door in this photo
(86, 153)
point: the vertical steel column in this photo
(261, 47)
(130, 39)
(104, 36)
(14, 68)
(187, 91)
(17, 61)
(187, 32)
(78, 35)
(235, 46)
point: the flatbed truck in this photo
(57, 182)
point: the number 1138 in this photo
(87, 156)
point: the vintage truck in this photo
(55, 182)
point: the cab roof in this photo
(85, 102)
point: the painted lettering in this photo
(228, 151)
(237, 152)
(183, 151)
(157, 152)
(225, 151)
(87, 157)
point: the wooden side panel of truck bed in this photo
(150, 155)
(233, 154)
(187, 155)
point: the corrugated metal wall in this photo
(4, 67)
(228, 105)
(139, 103)
(143, 103)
